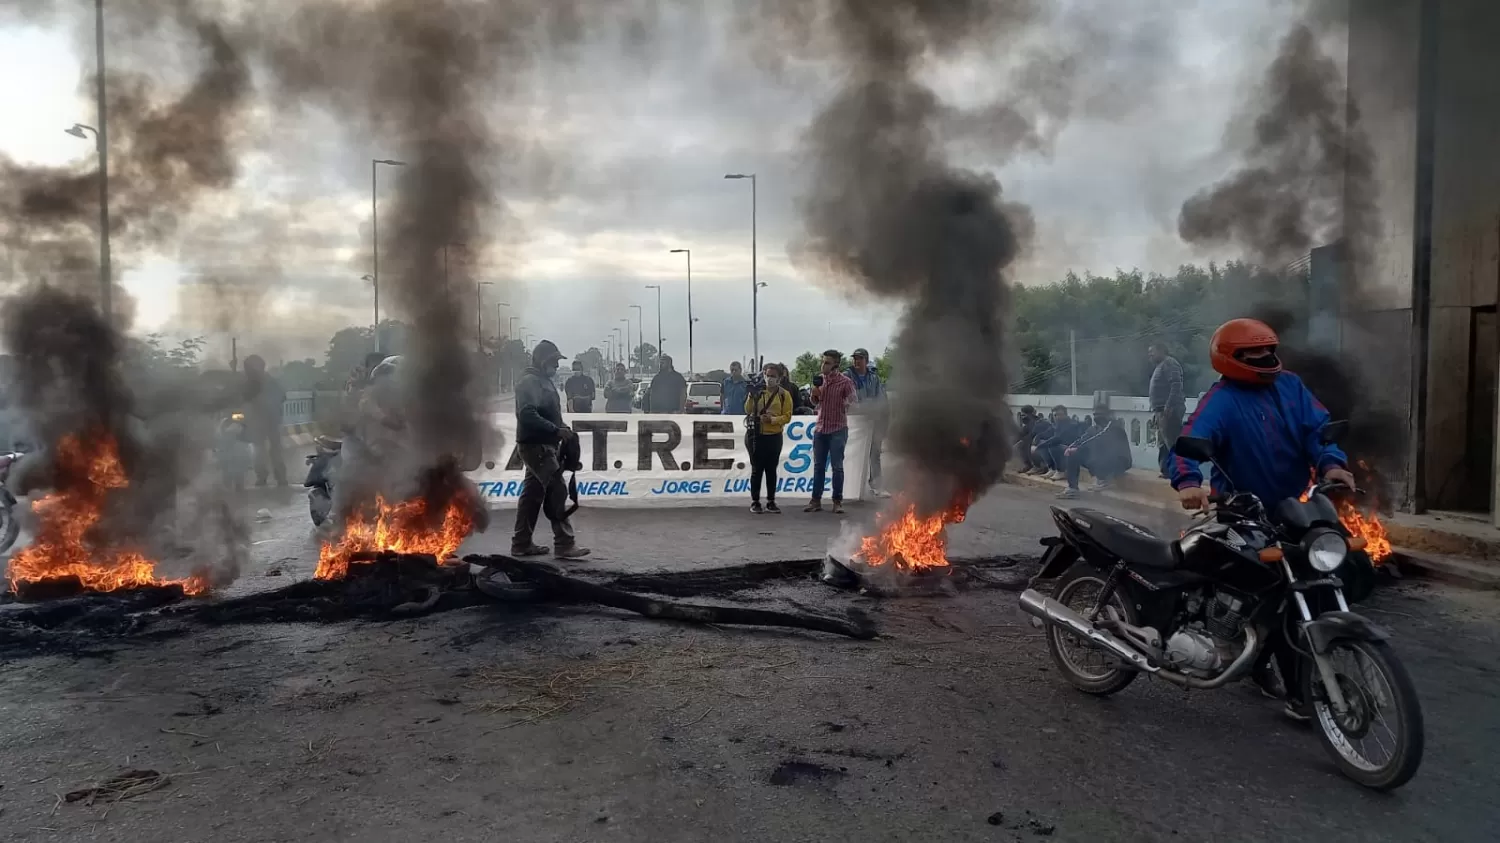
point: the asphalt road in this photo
(570, 724)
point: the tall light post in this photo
(374, 326)
(509, 336)
(375, 236)
(628, 367)
(619, 344)
(640, 329)
(82, 130)
(479, 314)
(499, 321)
(445, 258)
(691, 320)
(657, 288)
(754, 282)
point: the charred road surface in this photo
(575, 722)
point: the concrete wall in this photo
(1376, 295)
(1465, 254)
(1455, 193)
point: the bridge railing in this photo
(1135, 411)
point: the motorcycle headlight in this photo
(1326, 550)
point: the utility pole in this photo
(375, 237)
(106, 293)
(1072, 362)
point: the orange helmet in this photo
(1227, 346)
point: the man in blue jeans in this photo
(831, 394)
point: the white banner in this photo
(662, 460)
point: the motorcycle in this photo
(322, 471)
(9, 527)
(1198, 612)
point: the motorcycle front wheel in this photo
(1378, 741)
(1088, 669)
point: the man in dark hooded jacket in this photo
(540, 431)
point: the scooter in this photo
(232, 451)
(322, 472)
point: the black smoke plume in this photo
(76, 374)
(431, 83)
(1306, 180)
(1305, 172)
(887, 209)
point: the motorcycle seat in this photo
(1127, 540)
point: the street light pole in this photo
(659, 341)
(479, 314)
(375, 237)
(640, 332)
(628, 367)
(445, 259)
(81, 130)
(106, 293)
(509, 337)
(691, 320)
(619, 343)
(754, 281)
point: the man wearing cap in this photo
(539, 433)
(872, 405)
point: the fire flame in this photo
(1367, 527)
(405, 527)
(910, 542)
(67, 542)
(1360, 525)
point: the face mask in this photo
(772, 381)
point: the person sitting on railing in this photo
(1052, 438)
(1104, 449)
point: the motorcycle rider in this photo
(1266, 427)
(372, 437)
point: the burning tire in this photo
(1078, 589)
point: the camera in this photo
(756, 384)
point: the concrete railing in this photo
(1133, 410)
(298, 408)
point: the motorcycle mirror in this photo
(1334, 431)
(1193, 448)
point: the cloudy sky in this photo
(622, 159)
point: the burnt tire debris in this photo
(392, 586)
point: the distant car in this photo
(705, 397)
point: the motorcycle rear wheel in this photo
(1078, 589)
(1383, 691)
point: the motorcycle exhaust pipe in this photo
(1041, 606)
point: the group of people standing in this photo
(768, 402)
(836, 393)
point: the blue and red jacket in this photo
(1268, 438)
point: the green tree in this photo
(716, 375)
(645, 358)
(883, 364)
(807, 365)
(592, 360)
(1113, 318)
(300, 375)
